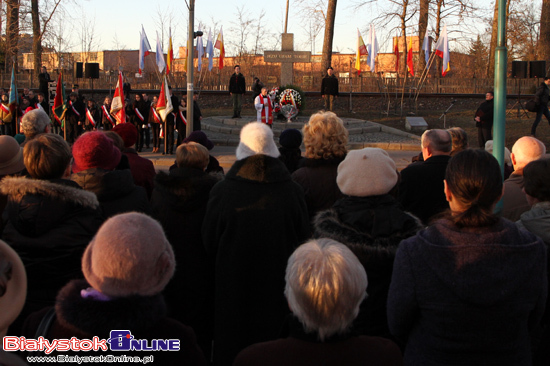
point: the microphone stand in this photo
(444, 115)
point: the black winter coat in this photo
(144, 316)
(485, 113)
(468, 296)
(49, 224)
(372, 227)
(237, 84)
(421, 187)
(318, 179)
(255, 219)
(115, 190)
(542, 95)
(329, 85)
(179, 204)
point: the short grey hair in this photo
(34, 122)
(325, 284)
(438, 140)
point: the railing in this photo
(216, 80)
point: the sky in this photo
(122, 20)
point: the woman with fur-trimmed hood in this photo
(49, 219)
(370, 222)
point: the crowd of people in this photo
(84, 115)
(331, 258)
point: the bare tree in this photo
(88, 39)
(544, 35)
(523, 32)
(423, 27)
(329, 35)
(12, 32)
(40, 22)
(242, 26)
(313, 16)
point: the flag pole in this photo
(190, 64)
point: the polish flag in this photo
(117, 106)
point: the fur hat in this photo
(128, 132)
(290, 138)
(367, 172)
(256, 138)
(11, 156)
(129, 255)
(95, 150)
(200, 138)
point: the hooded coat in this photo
(144, 316)
(254, 220)
(49, 224)
(468, 296)
(115, 190)
(372, 227)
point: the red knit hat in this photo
(128, 132)
(95, 150)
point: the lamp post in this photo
(501, 56)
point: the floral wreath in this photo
(290, 96)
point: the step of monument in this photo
(232, 126)
(225, 131)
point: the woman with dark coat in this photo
(471, 288)
(370, 222)
(179, 203)
(254, 219)
(126, 266)
(48, 220)
(325, 139)
(95, 160)
(325, 283)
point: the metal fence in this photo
(308, 81)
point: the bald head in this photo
(526, 150)
(436, 142)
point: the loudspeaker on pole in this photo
(91, 70)
(519, 69)
(77, 70)
(537, 69)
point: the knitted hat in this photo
(256, 138)
(128, 132)
(367, 172)
(95, 150)
(290, 138)
(12, 301)
(200, 138)
(11, 156)
(129, 255)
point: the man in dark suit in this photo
(421, 187)
(329, 89)
(484, 120)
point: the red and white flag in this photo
(144, 49)
(442, 50)
(164, 103)
(117, 107)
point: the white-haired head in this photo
(325, 284)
